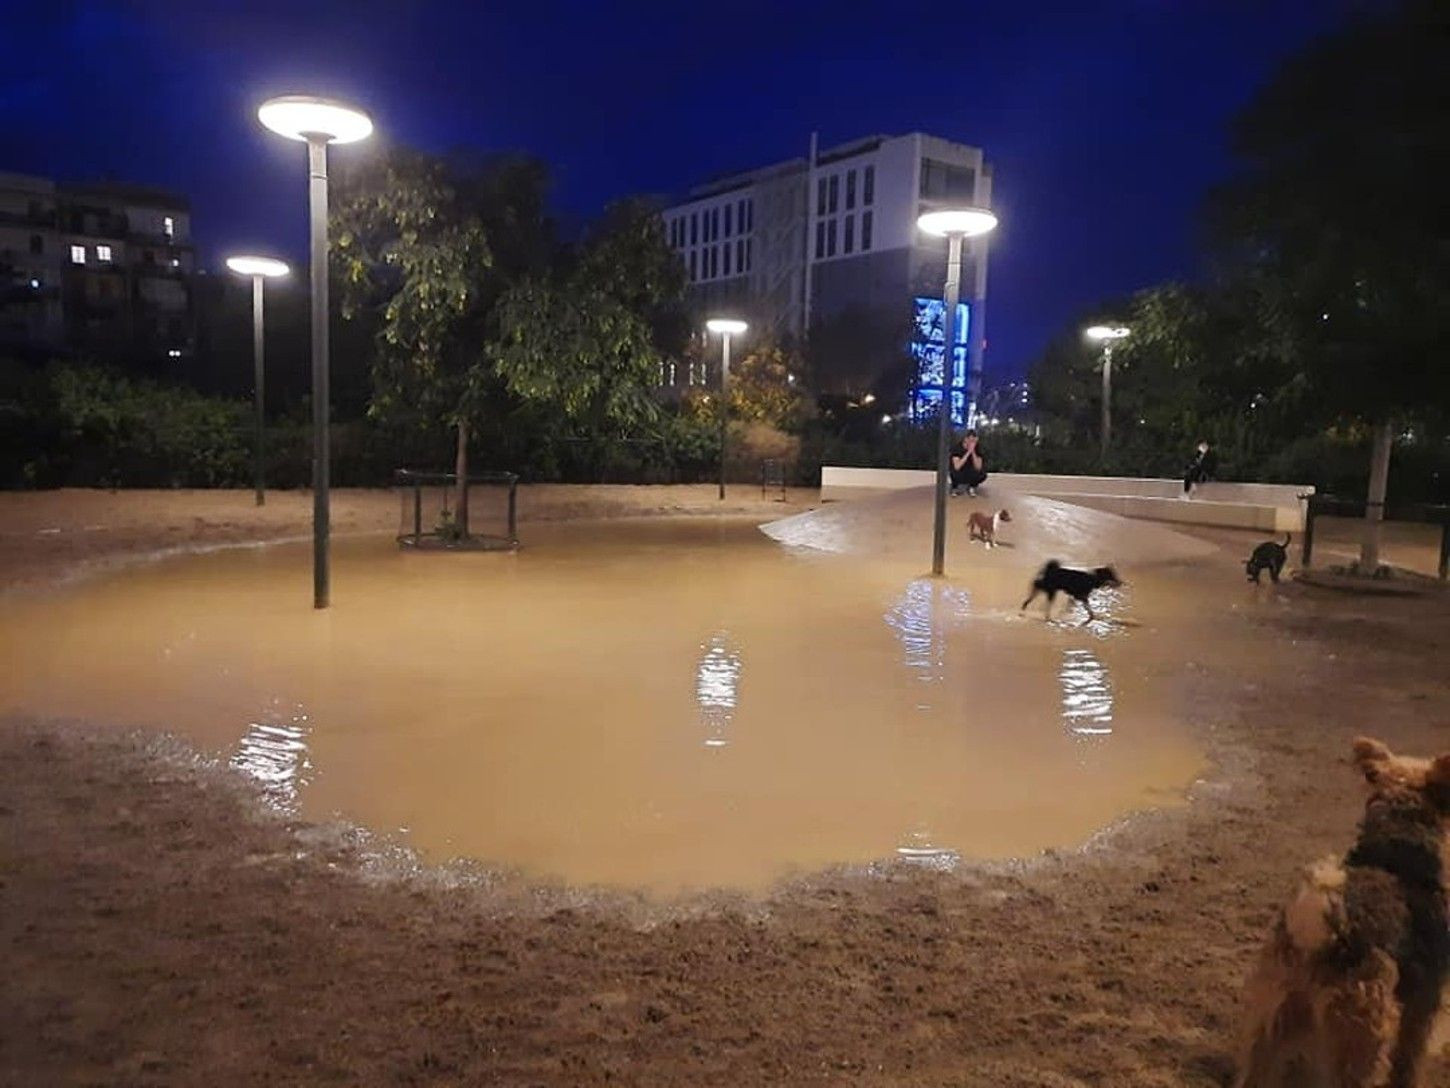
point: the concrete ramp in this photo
(896, 526)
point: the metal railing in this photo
(1331, 506)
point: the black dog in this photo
(1269, 556)
(1077, 584)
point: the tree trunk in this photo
(1374, 510)
(460, 471)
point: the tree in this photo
(766, 387)
(584, 339)
(426, 250)
(1339, 221)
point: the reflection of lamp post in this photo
(259, 268)
(1105, 335)
(318, 122)
(954, 224)
(726, 328)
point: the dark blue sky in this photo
(1105, 121)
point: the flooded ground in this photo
(666, 703)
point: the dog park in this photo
(817, 817)
(520, 564)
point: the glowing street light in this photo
(954, 224)
(259, 269)
(1106, 335)
(317, 122)
(725, 328)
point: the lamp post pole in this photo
(724, 403)
(1107, 426)
(258, 371)
(944, 417)
(317, 122)
(1106, 335)
(321, 466)
(258, 269)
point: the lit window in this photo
(175, 262)
(175, 353)
(850, 191)
(848, 243)
(866, 230)
(868, 192)
(168, 226)
(103, 253)
(77, 254)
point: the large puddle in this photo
(662, 703)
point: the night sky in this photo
(1106, 121)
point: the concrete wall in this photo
(1266, 507)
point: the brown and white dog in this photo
(1347, 989)
(983, 527)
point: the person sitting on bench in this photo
(968, 466)
(1200, 469)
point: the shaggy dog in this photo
(1347, 988)
(1269, 556)
(983, 527)
(1077, 584)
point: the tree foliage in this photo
(766, 387)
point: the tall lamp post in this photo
(954, 224)
(317, 122)
(1106, 335)
(725, 328)
(259, 269)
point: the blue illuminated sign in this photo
(928, 342)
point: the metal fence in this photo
(430, 514)
(1330, 506)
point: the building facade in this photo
(100, 271)
(831, 239)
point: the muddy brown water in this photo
(655, 703)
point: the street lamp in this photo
(725, 328)
(954, 224)
(259, 268)
(1105, 335)
(317, 122)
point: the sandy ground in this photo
(161, 928)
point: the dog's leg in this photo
(1088, 605)
(1030, 599)
(1051, 600)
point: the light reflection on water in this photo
(1087, 695)
(917, 849)
(717, 682)
(274, 753)
(920, 620)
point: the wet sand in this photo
(162, 927)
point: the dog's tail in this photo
(1288, 537)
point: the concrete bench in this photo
(1264, 507)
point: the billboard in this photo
(928, 348)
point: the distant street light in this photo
(259, 268)
(1105, 335)
(317, 122)
(953, 224)
(725, 328)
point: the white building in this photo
(795, 246)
